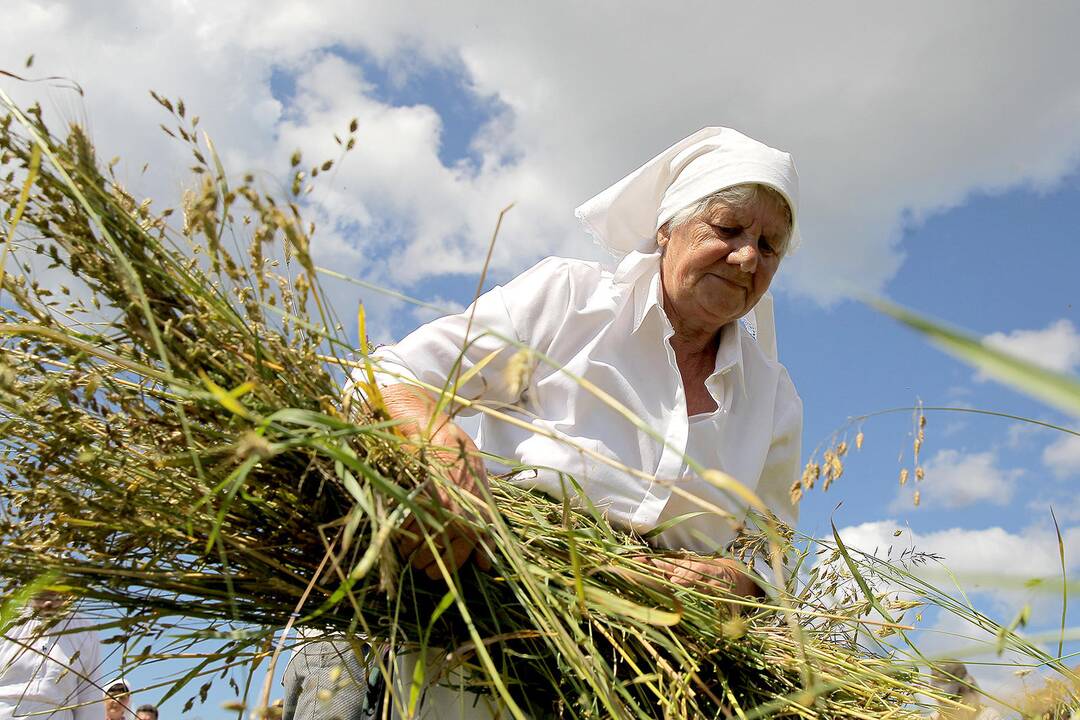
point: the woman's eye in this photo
(727, 231)
(766, 247)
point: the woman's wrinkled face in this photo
(718, 264)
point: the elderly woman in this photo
(49, 663)
(699, 231)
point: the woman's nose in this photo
(745, 256)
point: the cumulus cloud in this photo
(1066, 506)
(1063, 456)
(402, 202)
(1021, 435)
(951, 637)
(982, 562)
(889, 116)
(1056, 347)
(982, 555)
(956, 479)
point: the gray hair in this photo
(735, 196)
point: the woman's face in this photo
(717, 265)
(47, 602)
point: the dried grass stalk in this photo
(176, 445)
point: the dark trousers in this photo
(327, 680)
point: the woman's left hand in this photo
(708, 573)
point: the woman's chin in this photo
(722, 307)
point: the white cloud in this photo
(988, 552)
(395, 187)
(954, 427)
(890, 112)
(1021, 434)
(955, 479)
(1063, 456)
(984, 565)
(960, 395)
(1066, 507)
(951, 637)
(1057, 347)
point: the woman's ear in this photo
(663, 235)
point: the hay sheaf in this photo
(178, 445)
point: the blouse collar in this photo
(641, 271)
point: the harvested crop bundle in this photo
(178, 443)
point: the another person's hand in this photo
(707, 573)
(452, 453)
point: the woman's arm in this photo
(448, 448)
(479, 344)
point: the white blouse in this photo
(610, 329)
(41, 672)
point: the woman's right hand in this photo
(453, 454)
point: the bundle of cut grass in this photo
(177, 443)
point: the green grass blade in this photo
(1064, 583)
(11, 607)
(20, 207)
(858, 577)
(1056, 389)
(627, 608)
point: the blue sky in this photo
(938, 169)
(997, 263)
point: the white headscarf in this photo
(625, 217)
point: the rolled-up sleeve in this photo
(524, 313)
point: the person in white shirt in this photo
(146, 711)
(698, 233)
(117, 700)
(49, 664)
(954, 679)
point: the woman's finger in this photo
(480, 556)
(410, 537)
(425, 555)
(457, 537)
(683, 575)
(469, 476)
(436, 513)
(666, 569)
(430, 568)
(457, 548)
(457, 552)
(433, 571)
(670, 570)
